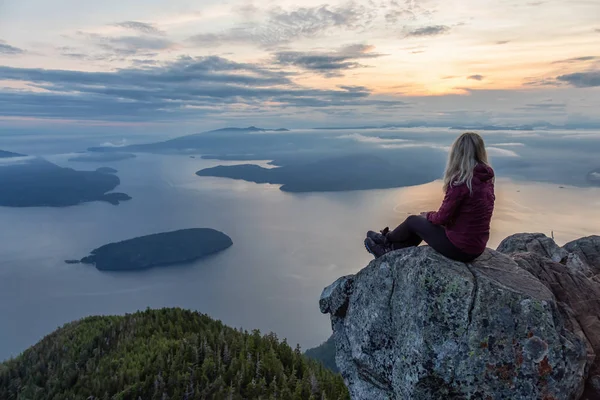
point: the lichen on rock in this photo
(416, 325)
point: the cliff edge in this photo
(518, 323)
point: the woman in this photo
(460, 229)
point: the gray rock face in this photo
(575, 284)
(537, 243)
(415, 325)
(587, 249)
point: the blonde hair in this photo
(466, 152)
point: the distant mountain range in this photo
(216, 140)
(8, 154)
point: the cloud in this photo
(187, 88)
(120, 143)
(408, 10)
(416, 145)
(119, 47)
(329, 64)
(141, 27)
(143, 62)
(576, 60)
(432, 30)
(6, 49)
(11, 161)
(541, 82)
(496, 152)
(476, 77)
(283, 26)
(503, 42)
(553, 107)
(492, 151)
(135, 44)
(595, 175)
(372, 139)
(582, 79)
(510, 144)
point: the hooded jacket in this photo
(466, 216)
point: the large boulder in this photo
(588, 250)
(537, 243)
(415, 325)
(576, 287)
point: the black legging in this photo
(417, 228)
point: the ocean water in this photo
(287, 247)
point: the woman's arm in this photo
(454, 196)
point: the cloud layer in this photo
(7, 49)
(432, 30)
(582, 79)
(282, 26)
(329, 64)
(188, 87)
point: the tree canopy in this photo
(164, 354)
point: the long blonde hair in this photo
(466, 152)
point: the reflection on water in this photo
(287, 247)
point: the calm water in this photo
(287, 247)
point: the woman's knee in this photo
(412, 219)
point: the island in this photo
(160, 249)
(107, 170)
(102, 157)
(335, 174)
(34, 182)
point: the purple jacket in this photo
(465, 216)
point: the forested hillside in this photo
(325, 353)
(164, 354)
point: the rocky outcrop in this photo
(575, 285)
(587, 249)
(521, 325)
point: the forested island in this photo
(34, 182)
(352, 172)
(160, 249)
(164, 354)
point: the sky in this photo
(156, 63)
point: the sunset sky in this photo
(285, 63)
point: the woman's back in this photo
(469, 226)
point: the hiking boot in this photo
(379, 238)
(375, 249)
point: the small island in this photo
(161, 249)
